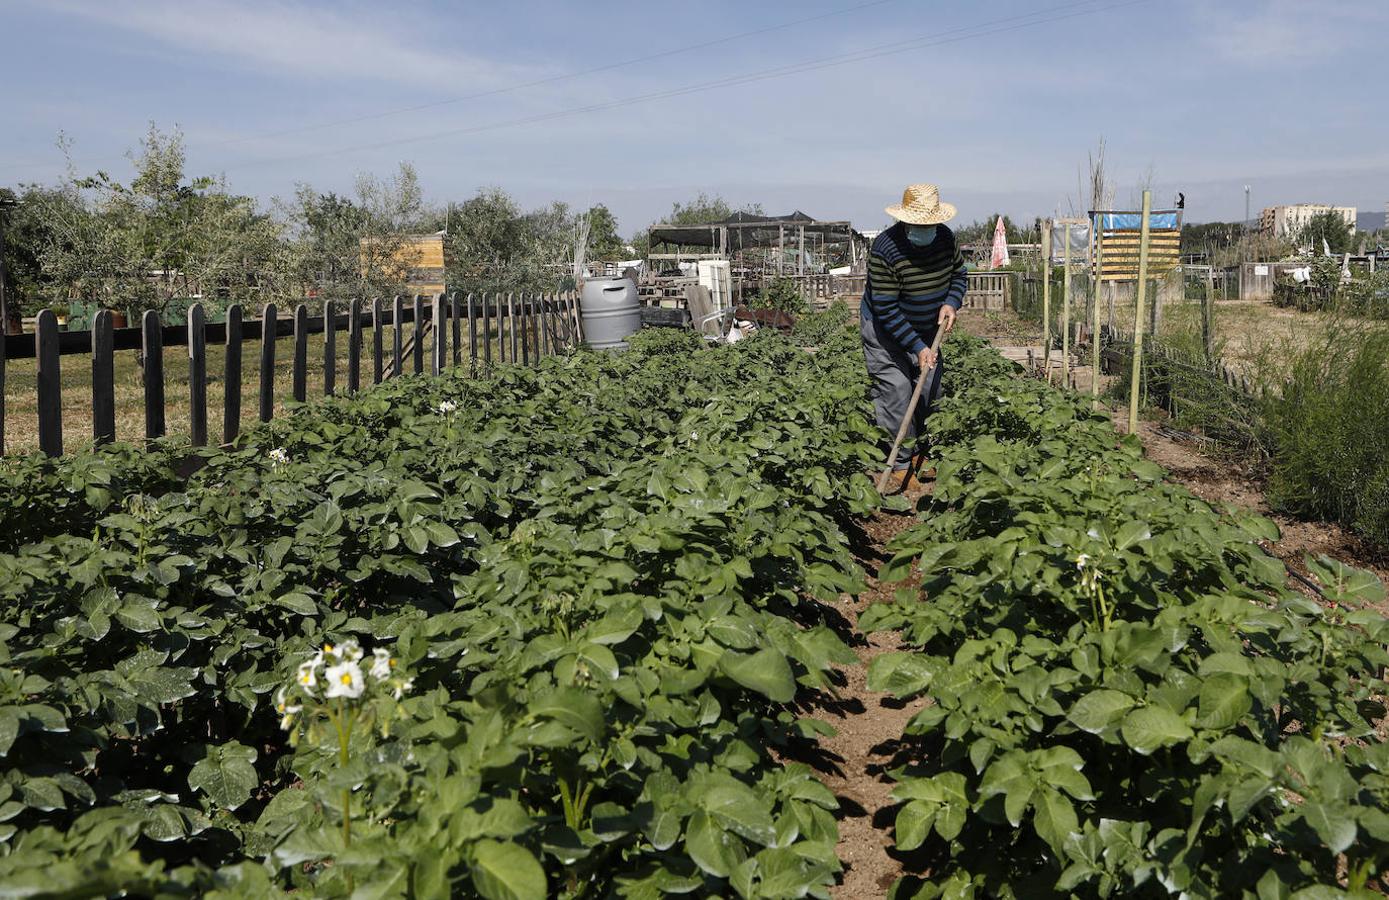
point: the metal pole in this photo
(1095, 310)
(1137, 371)
(1046, 297)
(4, 294)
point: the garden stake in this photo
(911, 408)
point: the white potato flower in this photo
(381, 664)
(278, 457)
(344, 680)
(446, 407)
(307, 676)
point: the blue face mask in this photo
(921, 235)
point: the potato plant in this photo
(1127, 698)
(594, 575)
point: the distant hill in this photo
(1370, 221)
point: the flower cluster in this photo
(1089, 573)
(278, 457)
(446, 407)
(335, 673)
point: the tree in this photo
(604, 243)
(982, 231)
(358, 247)
(1329, 227)
(494, 246)
(162, 237)
(27, 287)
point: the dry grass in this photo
(21, 400)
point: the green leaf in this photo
(738, 807)
(1131, 533)
(506, 871)
(573, 708)
(138, 616)
(1100, 709)
(914, 822)
(1054, 819)
(712, 849)
(299, 602)
(901, 674)
(1224, 700)
(1151, 727)
(226, 774)
(767, 672)
(1334, 825)
(1346, 583)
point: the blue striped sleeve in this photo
(959, 282)
(884, 298)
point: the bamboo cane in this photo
(1137, 371)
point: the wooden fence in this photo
(527, 327)
(989, 290)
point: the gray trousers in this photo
(894, 372)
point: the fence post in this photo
(438, 361)
(472, 336)
(103, 378)
(152, 349)
(301, 353)
(547, 340)
(1098, 237)
(1137, 372)
(525, 329)
(455, 309)
(354, 346)
(397, 339)
(378, 359)
(330, 350)
(50, 384)
(269, 328)
(1046, 297)
(1207, 310)
(418, 350)
(487, 330)
(231, 380)
(1066, 307)
(511, 327)
(197, 375)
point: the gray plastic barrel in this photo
(611, 312)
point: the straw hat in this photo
(921, 205)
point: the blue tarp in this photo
(1133, 221)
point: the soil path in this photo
(853, 764)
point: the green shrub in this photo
(781, 295)
(1328, 436)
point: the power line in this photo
(963, 33)
(494, 92)
(553, 79)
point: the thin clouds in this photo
(1287, 33)
(336, 43)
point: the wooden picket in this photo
(526, 326)
(197, 375)
(231, 377)
(152, 348)
(103, 379)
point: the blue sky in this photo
(1000, 103)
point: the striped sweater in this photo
(907, 285)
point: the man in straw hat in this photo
(916, 283)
